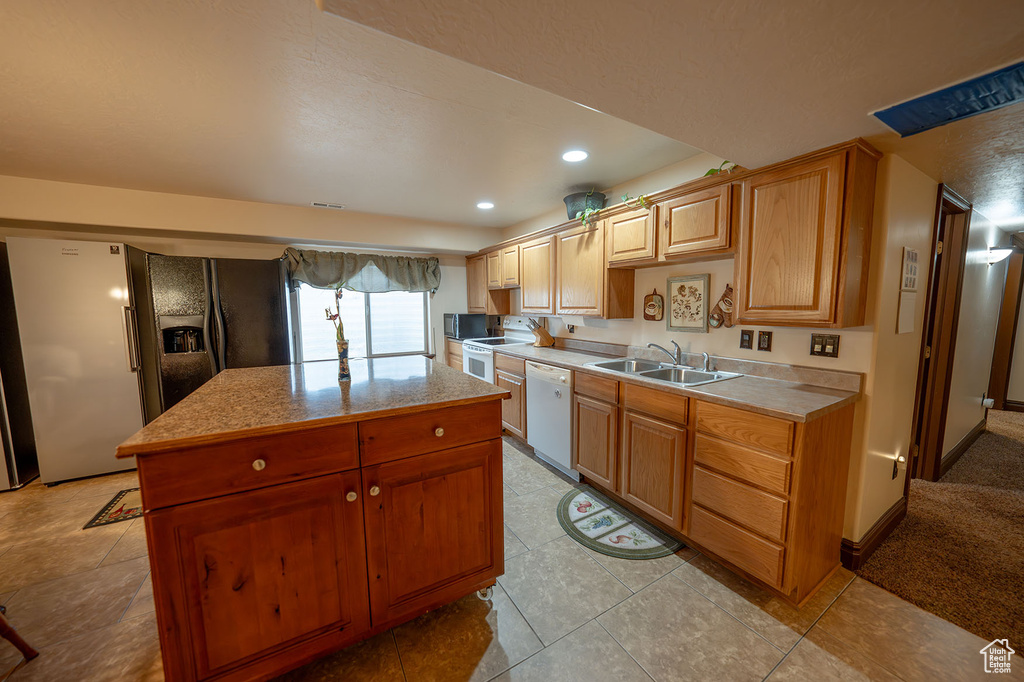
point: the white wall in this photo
(981, 297)
(27, 200)
(904, 215)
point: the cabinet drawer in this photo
(507, 363)
(755, 555)
(391, 438)
(750, 507)
(747, 428)
(757, 468)
(597, 387)
(205, 472)
(668, 406)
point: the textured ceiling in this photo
(274, 101)
(748, 80)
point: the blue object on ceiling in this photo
(970, 98)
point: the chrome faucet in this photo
(707, 362)
(677, 357)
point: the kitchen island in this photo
(288, 516)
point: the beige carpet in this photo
(960, 551)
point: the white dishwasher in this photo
(549, 415)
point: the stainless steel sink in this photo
(627, 365)
(686, 375)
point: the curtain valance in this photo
(367, 272)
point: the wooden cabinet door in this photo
(580, 270)
(789, 244)
(433, 528)
(259, 571)
(494, 271)
(476, 284)
(510, 266)
(513, 410)
(631, 237)
(653, 458)
(537, 276)
(453, 353)
(595, 440)
(696, 222)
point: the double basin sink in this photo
(673, 374)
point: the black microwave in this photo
(463, 326)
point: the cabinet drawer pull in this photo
(374, 491)
(259, 465)
(438, 432)
(351, 497)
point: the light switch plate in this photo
(747, 339)
(825, 345)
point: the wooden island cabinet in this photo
(287, 517)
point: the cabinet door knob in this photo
(351, 497)
(259, 465)
(438, 432)
(374, 491)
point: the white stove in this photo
(478, 354)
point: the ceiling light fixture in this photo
(574, 156)
(485, 205)
(998, 253)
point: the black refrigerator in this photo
(198, 316)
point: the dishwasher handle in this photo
(548, 373)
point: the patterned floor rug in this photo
(126, 505)
(595, 522)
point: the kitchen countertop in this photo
(772, 397)
(261, 400)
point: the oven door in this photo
(479, 363)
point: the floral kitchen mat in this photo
(127, 504)
(595, 522)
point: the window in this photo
(392, 323)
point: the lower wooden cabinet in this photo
(513, 410)
(258, 571)
(433, 528)
(653, 458)
(453, 353)
(595, 440)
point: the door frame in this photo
(1006, 331)
(938, 340)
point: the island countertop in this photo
(261, 400)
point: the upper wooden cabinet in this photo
(585, 285)
(479, 298)
(494, 273)
(631, 237)
(537, 276)
(804, 240)
(510, 266)
(697, 223)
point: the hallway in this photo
(959, 553)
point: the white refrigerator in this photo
(80, 349)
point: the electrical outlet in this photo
(764, 341)
(747, 339)
(825, 345)
(571, 328)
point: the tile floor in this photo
(560, 612)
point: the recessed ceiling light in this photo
(486, 205)
(574, 156)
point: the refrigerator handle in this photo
(218, 318)
(207, 336)
(131, 337)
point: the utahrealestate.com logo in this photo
(997, 655)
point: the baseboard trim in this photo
(853, 555)
(1012, 406)
(957, 452)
